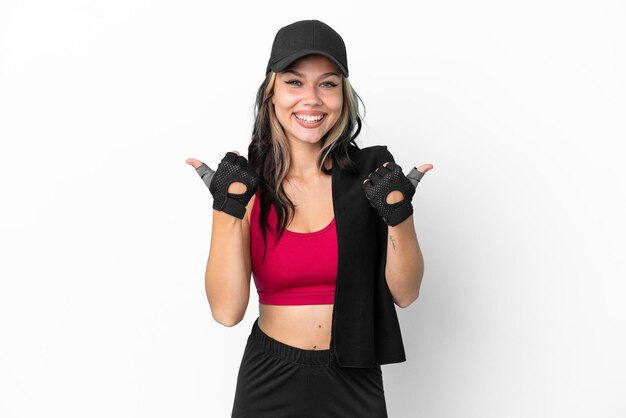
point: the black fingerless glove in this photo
(382, 182)
(232, 168)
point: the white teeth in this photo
(308, 118)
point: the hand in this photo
(232, 185)
(390, 191)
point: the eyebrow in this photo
(302, 75)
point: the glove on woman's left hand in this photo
(385, 180)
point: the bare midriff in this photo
(307, 327)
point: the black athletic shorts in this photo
(277, 380)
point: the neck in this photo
(304, 161)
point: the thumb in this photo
(193, 162)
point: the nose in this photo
(312, 96)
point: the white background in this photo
(105, 231)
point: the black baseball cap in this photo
(307, 37)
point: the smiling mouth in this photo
(309, 118)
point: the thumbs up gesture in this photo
(234, 170)
(388, 182)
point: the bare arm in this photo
(404, 267)
(405, 264)
(228, 270)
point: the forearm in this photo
(405, 264)
(226, 280)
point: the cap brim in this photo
(284, 63)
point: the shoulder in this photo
(375, 154)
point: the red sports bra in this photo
(301, 269)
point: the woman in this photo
(297, 216)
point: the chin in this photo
(312, 139)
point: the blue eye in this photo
(326, 83)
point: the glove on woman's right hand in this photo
(232, 168)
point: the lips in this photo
(310, 117)
(310, 121)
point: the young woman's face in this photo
(308, 98)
